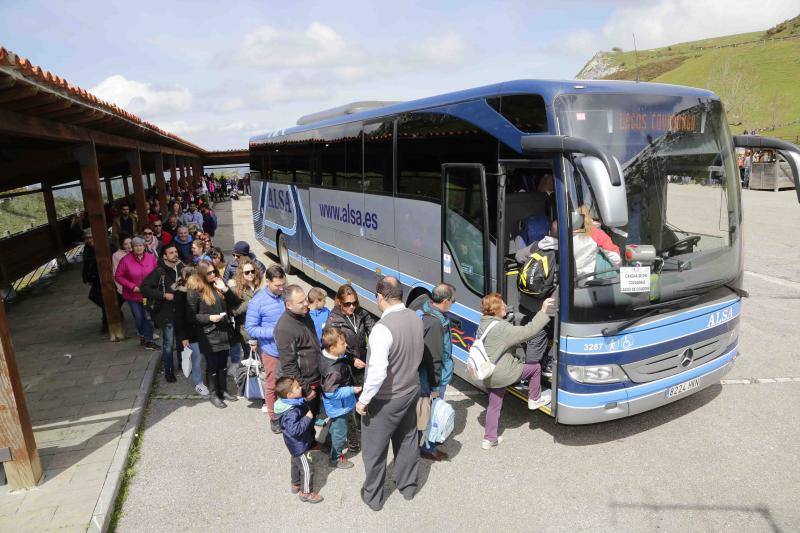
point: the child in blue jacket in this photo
(338, 392)
(297, 423)
(317, 310)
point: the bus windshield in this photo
(683, 202)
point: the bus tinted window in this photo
(279, 167)
(525, 111)
(339, 155)
(378, 154)
(426, 140)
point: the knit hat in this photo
(241, 248)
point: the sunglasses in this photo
(248, 272)
(148, 232)
(349, 304)
(156, 225)
(211, 273)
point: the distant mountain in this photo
(757, 74)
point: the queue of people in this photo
(367, 382)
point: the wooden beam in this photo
(109, 190)
(25, 469)
(58, 105)
(93, 202)
(18, 93)
(161, 184)
(181, 169)
(173, 177)
(135, 164)
(52, 216)
(40, 128)
(126, 188)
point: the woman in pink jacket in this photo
(132, 270)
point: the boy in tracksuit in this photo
(338, 392)
(297, 423)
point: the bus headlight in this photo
(596, 373)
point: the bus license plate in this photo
(680, 388)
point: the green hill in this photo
(757, 75)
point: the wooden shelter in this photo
(53, 133)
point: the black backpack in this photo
(538, 275)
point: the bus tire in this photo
(283, 255)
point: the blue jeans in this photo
(143, 324)
(338, 434)
(424, 390)
(236, 353)
(168, 346)
(197, 374)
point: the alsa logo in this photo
(278, 199)
(720, 317)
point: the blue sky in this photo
(216, 72)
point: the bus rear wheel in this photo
(283, 255)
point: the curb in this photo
(104, 508)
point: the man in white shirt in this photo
(388, 401)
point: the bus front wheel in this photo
(283, 255)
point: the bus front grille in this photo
(676, 361)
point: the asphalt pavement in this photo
(722, 459)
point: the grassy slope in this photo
(771, 68)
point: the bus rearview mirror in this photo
(611, 200)
(789, 151)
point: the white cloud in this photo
(581, 44)
(318, 46)
(181, 127)
(241, 125)
(441, 49)
(675, 21)
(142, 98)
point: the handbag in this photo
(186, 361)
(250, 377)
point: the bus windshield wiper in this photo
(708, 287)
(651, 309)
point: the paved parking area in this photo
(722, 459)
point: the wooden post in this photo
(173, 177)
(198, 172)
(93, 202)
(24, 470)
(52, 217)
(135, 164)
(109, 191)
(181, 171)
(161, 183)
(126, 189)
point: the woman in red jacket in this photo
(132, 270)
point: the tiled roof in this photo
(16, 67)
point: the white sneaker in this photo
(264, 408)
(156, 336)
(486, 444)
(543, 400)
(201, 389)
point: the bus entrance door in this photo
(465, 241)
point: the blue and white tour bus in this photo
(439, 189)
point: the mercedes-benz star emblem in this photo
(687, 357)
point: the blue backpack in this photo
(534, 228)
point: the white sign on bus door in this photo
(634, 279)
